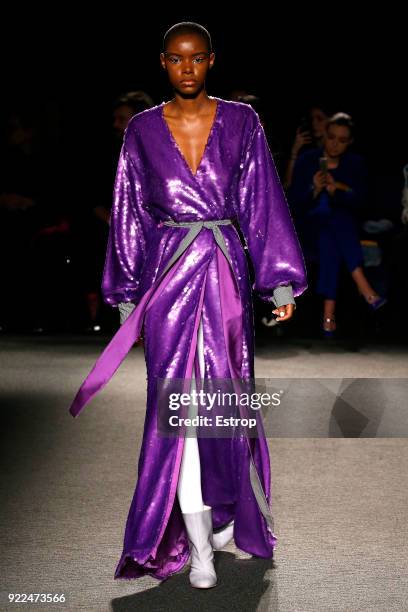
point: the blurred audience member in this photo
(235, 94)
(399, 259)
(309, 134)
(266, 119)
(126, 106)
(94, 227)
(404, 199)
(256, 104)
(28, 203)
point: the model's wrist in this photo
(283, 295)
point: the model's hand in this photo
(287, 311)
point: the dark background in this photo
(69, 67)
(73, 67)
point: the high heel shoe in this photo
(199, 532)
(222, 537)
(328, 322)
(375, 301)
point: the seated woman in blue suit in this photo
(329, 186)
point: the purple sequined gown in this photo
(236, 179)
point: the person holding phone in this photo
(327, 192)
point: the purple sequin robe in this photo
(236, 179)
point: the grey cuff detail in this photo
(125, 309)
(282, 295)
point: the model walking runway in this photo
(173, 251)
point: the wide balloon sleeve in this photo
(266, 223)
(130, 228)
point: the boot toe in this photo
(204, 581)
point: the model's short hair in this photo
(187, 27)
(341, 119)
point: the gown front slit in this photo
(174, 252)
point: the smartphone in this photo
(323, 164)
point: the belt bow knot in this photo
(195, 228)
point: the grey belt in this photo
(282, 294)
(195, 228)
(126, 308)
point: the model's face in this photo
(318, 120)
(121, 117)
(187, 62)
(337, 140)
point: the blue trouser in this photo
(337, 242)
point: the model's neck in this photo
(190, 105)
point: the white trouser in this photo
(189, 483)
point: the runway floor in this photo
(340, 504)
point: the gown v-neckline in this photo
(207, 144)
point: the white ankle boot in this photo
(199, 531)
(220, 539)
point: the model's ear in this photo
(212, 59)
(162, 61)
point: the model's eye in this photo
(173, 60)
(200, 59)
